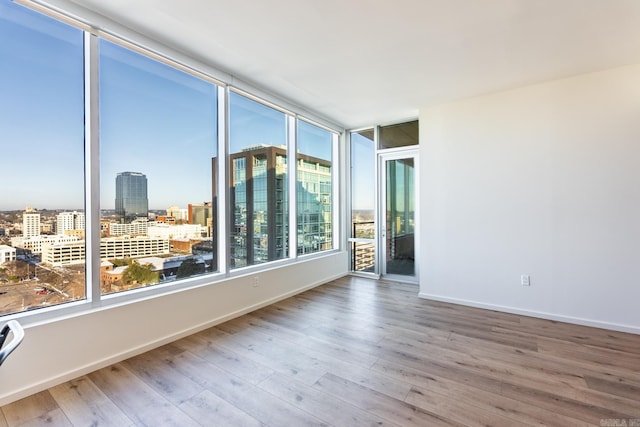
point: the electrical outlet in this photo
(525, 280)
(256, 281)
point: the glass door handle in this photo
(18, 335)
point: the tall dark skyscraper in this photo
(131, 196)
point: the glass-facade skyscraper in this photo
(261, 207)
(261, 212)
(131, 196)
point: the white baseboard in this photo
(538, 314)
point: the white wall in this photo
(54, 352)
(542, 180)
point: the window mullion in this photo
(293, 179)
(92, 170)
(336, 194)
(224, 219)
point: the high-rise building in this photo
(131, 196)
(260, 205)
(180, 214)
(314, 205)
(261, 209)
(201, 214)
(30, 223)
(69, 222)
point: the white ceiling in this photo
(362, 62)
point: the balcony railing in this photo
(363, 256)
(363, 251)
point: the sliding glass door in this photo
(398, 213)
(384, 201)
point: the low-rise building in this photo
(133, 247)
(70, 253)
(7, 253)
(183, 231)
(35, 244)
(60, 254)
(110, 274)
(137, 227)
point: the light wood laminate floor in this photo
(359, 352)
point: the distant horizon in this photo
(82, 209)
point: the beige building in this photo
(72, 253)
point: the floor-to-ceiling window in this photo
(42, 220)
(138, 171)
(314, 188)
(363, 201)
(158, 148)
(259, 185)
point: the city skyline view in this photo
(158, 166)
(153, 118)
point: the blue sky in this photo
(363, 173)
(158, 121)
(41, 111)
(154, 119)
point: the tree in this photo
(188, 268)
(120, 262)
(137, 274)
